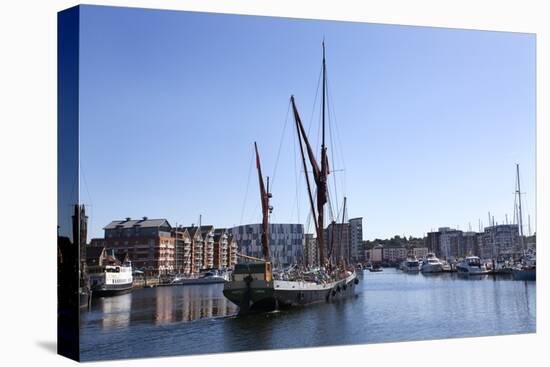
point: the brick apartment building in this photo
(148, 242)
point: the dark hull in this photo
(267, 296)
(529, 275)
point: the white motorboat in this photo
(431, 264)
(471, 265)
(410, 265)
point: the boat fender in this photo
(333, 293)
(345, 286)
(356, 281)
(338, 289)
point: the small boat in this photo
(471, 265)
(410, 265)
(210, 277)
(375, 268)
(431, 264)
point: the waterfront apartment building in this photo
(311, 251)
(432, 242)
(196, 258)
(469, 244)
(231, 250)
(393, 254)
(449, 240)
(337, 241)
(494, 241)
(148, 242)
(208, 246)
(356, 239)
(182, 240)
(346, 240)
(221, 251)
(286, 242)
(420, 252)
(500, 240)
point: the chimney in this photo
(145, 218)
(128, 219)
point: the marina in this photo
(388, 306)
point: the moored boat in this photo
(527, 269)
(253, 284)
(211, 277)
(431, 264)
(471, 265)
(111, 276)
(410, 265)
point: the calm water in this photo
(389, 306)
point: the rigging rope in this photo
(247, 186)
(280, 146)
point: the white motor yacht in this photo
(471, 265)
(431, 264)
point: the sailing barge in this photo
(254, 286)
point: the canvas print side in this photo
(68, 213)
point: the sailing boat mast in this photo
(265, 195)
(520, 216)
(322, 188)
(319, 173)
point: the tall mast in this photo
(520, 216)
(319, 173)
(266, 209)
(322, 187)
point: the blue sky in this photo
(427, 123)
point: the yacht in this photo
(210, 277)
(471, 265)
(411, 265)
(431, 264)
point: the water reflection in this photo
(161, 305)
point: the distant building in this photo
(195, 235)
(346, 240)
(394, 254)
(286, 242)
(182, 241)
(221, 253)
(420, 252)
(356, 239)
(432, 242)
(231, 250)
(469, 245)
(375, 254)
(148, 242)
(500, 240)
(449, 240)
(208, 246)
(311, 252)
(337, 238)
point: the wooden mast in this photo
(319, 173)
(266, 209)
